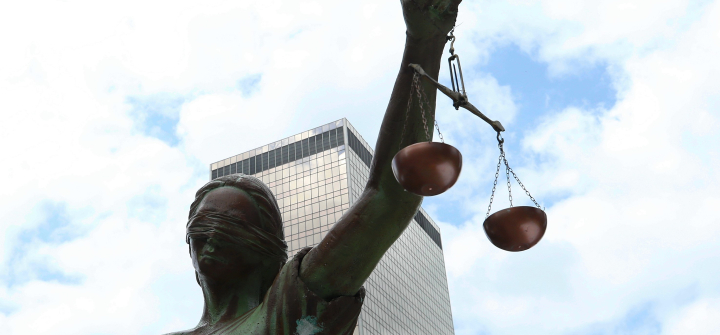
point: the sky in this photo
(112, 112)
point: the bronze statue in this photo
(235, 231)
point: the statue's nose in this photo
(210, 244)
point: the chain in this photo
(519, 182)
(422, 100)
(439, 133)
(507, 177)
(425, 100)
(416, 78)
(497, 174)
(508, 171)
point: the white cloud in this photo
(69, 138)
(641, 213)
(702, 317)
(637, 226)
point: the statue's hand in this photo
(429, 18)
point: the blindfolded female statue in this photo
(235, 228)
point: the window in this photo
(271, 159)
(264, 160)
(326, 141)
(425, 224)
(359, 149)
(305, 148)
(295, 151)
(311, 146)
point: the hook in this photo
(451, 38)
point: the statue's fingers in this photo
(446, 5)
(454, 5)
(415, 3)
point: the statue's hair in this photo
(264, 200)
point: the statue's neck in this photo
(226, 301)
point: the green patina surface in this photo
(308, 326)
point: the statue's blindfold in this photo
(236, 231)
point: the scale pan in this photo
(516, 228)
(427, 168)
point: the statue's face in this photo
(219, 260)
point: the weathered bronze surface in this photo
(516, 228)
(235, 232)
(427, 168)
(458, 99)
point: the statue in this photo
(235, 231)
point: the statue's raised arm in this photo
(346, 257)
(235, 229)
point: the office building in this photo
(316, 175)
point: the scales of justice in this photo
(431, 168)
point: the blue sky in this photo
(612, 121)
(537, 93)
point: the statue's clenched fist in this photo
(429, 18)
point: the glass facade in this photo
(315, 176)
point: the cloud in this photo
(700, 317)
(639, 216)
(117, 124)
(112, 113)
(157, 116)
